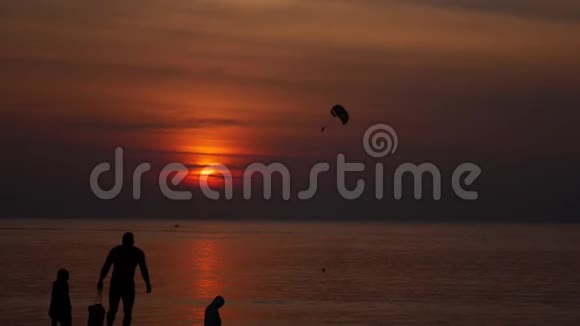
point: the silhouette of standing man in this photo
(125, 259)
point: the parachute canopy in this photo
(340, 112)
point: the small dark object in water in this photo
(323, 269)
(176, 225)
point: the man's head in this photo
(128, 239)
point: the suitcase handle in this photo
(99, 297)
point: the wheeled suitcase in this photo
(97, 313)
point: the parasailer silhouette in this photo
(338, 111)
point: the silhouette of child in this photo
(60, 308)
(212, 314)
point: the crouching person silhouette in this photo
(124, 259)
(60, 308)
(212, 314)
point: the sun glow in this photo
(207, 171)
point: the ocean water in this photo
(271, 273)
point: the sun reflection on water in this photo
(206, 265)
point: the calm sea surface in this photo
(271, 273)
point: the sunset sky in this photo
(234, 82)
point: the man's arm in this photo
(105, 270)
(144, 271)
